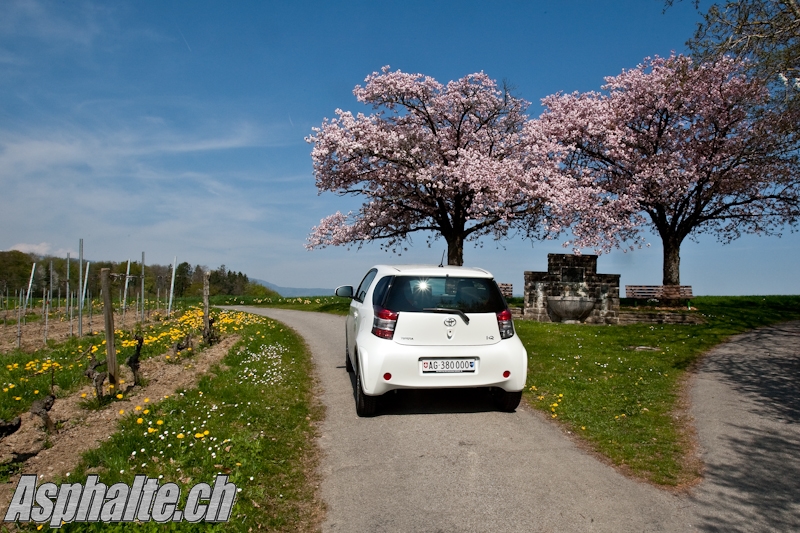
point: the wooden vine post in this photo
(206, 330)
(108, 311)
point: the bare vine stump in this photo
(210, 336)
(133, 361)
(7, 428)
(97, 377)
(41, 408)
(183, 345)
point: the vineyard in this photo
(192, 398)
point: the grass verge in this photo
(624, 400)
(252, 418)
(320, 304)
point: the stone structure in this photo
(572, 291)
(506, 289)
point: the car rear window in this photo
(470, 295)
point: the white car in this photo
(422, 327)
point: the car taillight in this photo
(384, 322)
(505, 324)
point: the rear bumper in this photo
(378, 357)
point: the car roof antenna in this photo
(441, 264)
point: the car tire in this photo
(365, 405)
(507, 401)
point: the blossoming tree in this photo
(684, 148)
(450, 159)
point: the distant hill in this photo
(291, 292)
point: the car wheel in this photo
(347, 363)
(507, 401)
(365, 405)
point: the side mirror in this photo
(345, 291)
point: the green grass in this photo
(251, 418)
(320, 304)
(622, 400)
(515, 301)
(12, 319)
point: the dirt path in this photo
(746, 406)
(82, 430)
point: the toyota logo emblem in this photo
(450, 322)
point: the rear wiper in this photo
(446, 311)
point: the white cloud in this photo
(79, 23)
(40, 249)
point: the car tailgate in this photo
(440, 329)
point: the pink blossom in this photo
(679, 147)
(453, 159)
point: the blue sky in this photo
(177, 128)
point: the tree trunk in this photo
(455, 250)
(672, 261)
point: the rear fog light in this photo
(387, 376)
(506, 374)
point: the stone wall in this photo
(572, 276)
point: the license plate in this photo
(448, 366)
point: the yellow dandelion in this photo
(146, 411)
(180, 435)
(146, 400)
(83, 395)
(36, 392)
(119, 396)
(122, 411)
(138, 408)
(159, 422)
(205, 432)
(198, 435)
